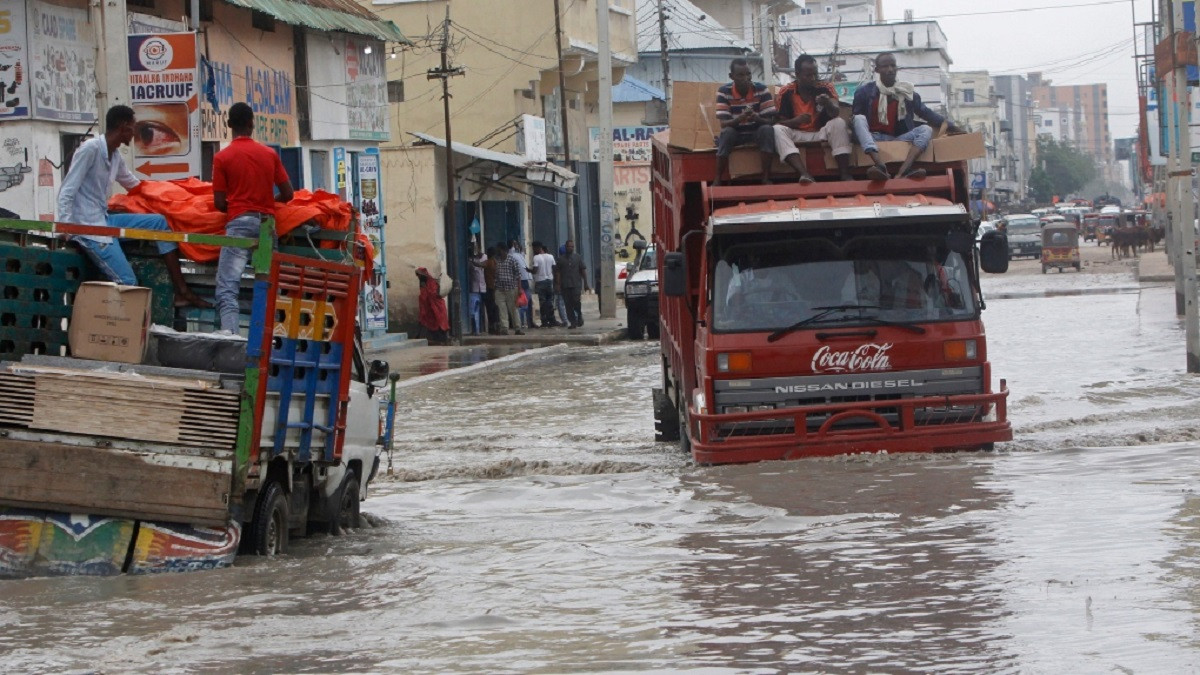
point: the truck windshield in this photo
(768, 285)
(1022, 226)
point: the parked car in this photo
(621, 275)
(641, 297)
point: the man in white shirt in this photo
(83, 200)
(543, 281)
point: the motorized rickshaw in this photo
(1090, 222)
(1060, 246)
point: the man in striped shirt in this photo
(746, 111)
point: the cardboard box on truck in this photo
(694, 124)
(958, 147)
(110, 322)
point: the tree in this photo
(1061, 170)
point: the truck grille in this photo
(824, 394)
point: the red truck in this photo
(837, 317)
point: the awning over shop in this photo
(328, 15)
(541, 173)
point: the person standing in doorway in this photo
(83, 200)
(518, 254)
(543, 280)
(508, 282)
(477, 290)
(246, 175)
(571, 281)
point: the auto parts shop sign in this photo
(164, 92)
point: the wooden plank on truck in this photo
(110, 482)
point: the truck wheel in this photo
(685, 443)
(666, 418)
(269, 529)
(346, 506)
(635, 328)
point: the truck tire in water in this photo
(268, 531)
(346, 506)
(666, 418)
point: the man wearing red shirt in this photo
(245, 177)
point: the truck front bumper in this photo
(961, 422)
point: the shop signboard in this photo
(63, 63)
(14, 62)
(164, 93)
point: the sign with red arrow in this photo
(164, 84)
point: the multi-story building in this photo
(504, 118)
(847, 54)
(846, 12)
(1061, 125)
(1016, 100)
(1089, 105)
(975, 107)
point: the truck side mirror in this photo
(674, 281)
(377, 371)
(993, 252)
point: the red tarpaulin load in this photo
(188, 206)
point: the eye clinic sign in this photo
(164, 92)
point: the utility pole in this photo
(665, 54)
(453, 254)
(608, 289)
(1180, 185)
(572, 232)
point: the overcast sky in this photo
(1071, 42)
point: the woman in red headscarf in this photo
(433, 316)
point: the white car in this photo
(621, 275)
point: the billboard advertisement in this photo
(164, 93)
(62, 63)
(14, 61)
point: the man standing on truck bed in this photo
(245, 175)
(808, 113)
(884, 110)
(746, 111)
(83, 200)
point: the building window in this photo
(910, 38)
(968, 95)
(70, 143)
(262, 21)
(1049, 123)
(395, 91)
(828, 9)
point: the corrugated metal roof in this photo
(687, 28)
(633, 90)
(537, 172)
(330, 15)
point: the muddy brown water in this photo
(532, 525)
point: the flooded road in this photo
(532, 525)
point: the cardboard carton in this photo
(694, 124)
(958, 148)
(110, 322)
(748, 162)
(891, 152)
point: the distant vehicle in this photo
(1024, 235)
(641, 297)
(1110, 209)
(1060, 246)
(622, 275)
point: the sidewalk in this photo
(417, 359)
(1155, 266)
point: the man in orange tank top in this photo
(808, 113)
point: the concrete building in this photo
(824, 12)
(312, 72)
(504, 114)
(920, 47)
(1089, 104)
(1058, 124)
(1016, 100)
(975, 108)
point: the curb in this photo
(483, 365)
(577, 340)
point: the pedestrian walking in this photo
(543, 280)
(508, 283)
(246, 175)
(83, 200)
(571, 280)
(433, 316)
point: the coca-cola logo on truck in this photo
(864, 358)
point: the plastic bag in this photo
(522, 299)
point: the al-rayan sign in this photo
(164, 93)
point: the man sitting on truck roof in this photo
(884, 110)
(808, 113)
(746, 111)
(83, 200)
